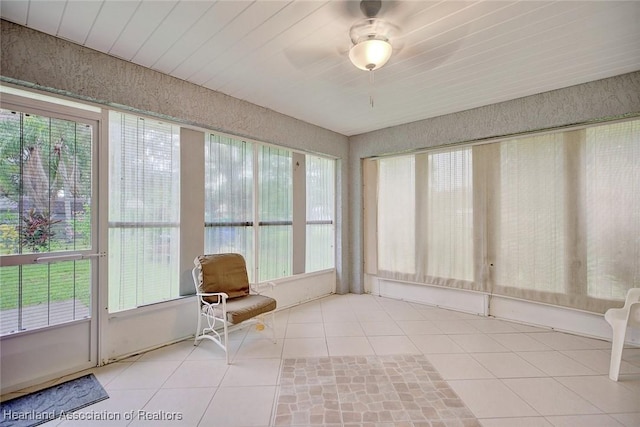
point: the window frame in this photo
(298, 249)
(143, 225)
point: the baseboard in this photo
(532, 313)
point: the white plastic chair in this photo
(620, 319)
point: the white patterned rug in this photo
(380, 391)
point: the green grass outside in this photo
(45, 283)
(62, 281)
(140, 284)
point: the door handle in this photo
(67, 257)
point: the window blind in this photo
(144, 211)
(229, 190)
(320, 210)
(249, 207)
(275, 211)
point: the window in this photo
(425, 217)
(531, 221)
(275, 213)
(320, 230)
(552, 218)
(46, 186)
(396, 215)
(144, 211)
(449, 215)
(229, 197)
(249, 207)
(612, 211)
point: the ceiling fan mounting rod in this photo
(371, 29)
(370, 8)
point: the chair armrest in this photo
(614, 314)
(221, 297)
(257, 288)
(633, 296)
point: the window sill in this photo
(162, 305)
(299, 276)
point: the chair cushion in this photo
(241, 309)
(223, 273)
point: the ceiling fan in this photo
(376, 31)
(371, 38)
(367, 39)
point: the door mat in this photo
(45, 405)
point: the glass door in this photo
(48, 243)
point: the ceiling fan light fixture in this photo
(370, 54)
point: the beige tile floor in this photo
(506, 374)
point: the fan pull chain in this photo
(371, 80)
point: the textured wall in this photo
(608, 98)
(57, 65)
(32, 58)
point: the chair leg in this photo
(195, 340)
(226, 341)
(617, 345)
(273, 326)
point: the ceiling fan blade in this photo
(430, 52)
(306, 58)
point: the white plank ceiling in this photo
(292, 56)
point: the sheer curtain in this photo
(425, 218)
(448, 238)
(529, 232)
(613, 209)
(397, 217)
(553, 218)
